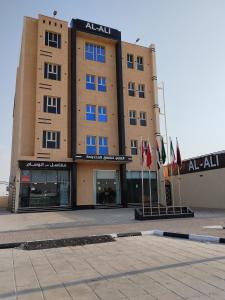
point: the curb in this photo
(191, 237)
(80, 241)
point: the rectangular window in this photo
(52, 71)
(102, 114)
(101, 84)
(51, 139)
(52, 105)
(94, 52)
(131, 89)
(103, 145)
(52, 39)
(90, 112)
(140, 65)
(141, 90)
(134, 147)
(132, 116)
(90, 82)
(143, 121)
(145, 145)
(90, 145)
(130, 61)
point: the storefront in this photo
(44, 184)
(134, 187)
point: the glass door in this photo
(107, 187)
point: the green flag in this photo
(163, 151)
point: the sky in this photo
(190, 48)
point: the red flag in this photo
(179, 161)
(149, 155)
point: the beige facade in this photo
(31, 123)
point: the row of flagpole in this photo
(174, 161)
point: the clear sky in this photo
(190, 44)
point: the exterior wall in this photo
(107, 99)
(202, 189)
(85, 184)
(136, 132)
(3, 202)
(52, 88)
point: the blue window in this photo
(91, 144)
(94, 52)
(103, 145)
(90, 112)
(90, 82)
(101, 84)
(102, 114)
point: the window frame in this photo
(101, 86)
(103, 148)
(141, 90)
(49, 106)
(131, 91)
(143, 118)
(90, 85)
(91, 144)
(97, 53)
(50, 136)
(90, 115)
(140, 65)
(134, 147)
(102, 114)
(130, 63)
(52, 42)
(133, 117)
(51, 69)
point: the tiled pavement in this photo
(146, 267)
(54, 225)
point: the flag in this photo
(143, 154)
(163, 151)
(172, 156)
(149, 155)
(179, 161)
(158, 155)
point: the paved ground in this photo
(139, 268)
(53, 225)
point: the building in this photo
(83, 101)
(201, 182)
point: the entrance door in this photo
(107, 187)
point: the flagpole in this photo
(179, 183)
(171, 176)
(142, 179)
(150, 187)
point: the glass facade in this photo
(44, 188)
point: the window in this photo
(131, 89)
(94, 52)
(52, 105)
(140, 65)
(143, 121)
(52, 39)
(145, 144)
(130, 61)
(91, 144)
(132, 115)
(101, 84)
(90, 82)
(102, 114)
(90, 112)
(141, 90)
(134, 150)
(51, 139)
(103, 145)
(52, 71)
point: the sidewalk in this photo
(55, 225)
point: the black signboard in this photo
(116, 158)
(24, 164)
(96, 29)
(203, 163)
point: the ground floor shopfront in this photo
(92, 185)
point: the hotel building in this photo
(84, 100)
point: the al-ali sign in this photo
(203, 163)
(118, 158)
